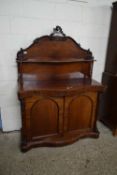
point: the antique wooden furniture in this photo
(59, 100)
(108, 108)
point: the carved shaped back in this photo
(55, 49)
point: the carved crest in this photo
(57, 33)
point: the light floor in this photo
(85, 157)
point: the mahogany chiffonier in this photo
(59, 99)
(108, 114)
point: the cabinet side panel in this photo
(108, 107)
(111, 60)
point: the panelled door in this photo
(44, 117)
(80, 111)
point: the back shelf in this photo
(48, 60)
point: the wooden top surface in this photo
(30, 84)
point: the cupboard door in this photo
(45, 117)
(80, 111)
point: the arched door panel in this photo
(44, 119)
(80, 112)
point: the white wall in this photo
(21, 21)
